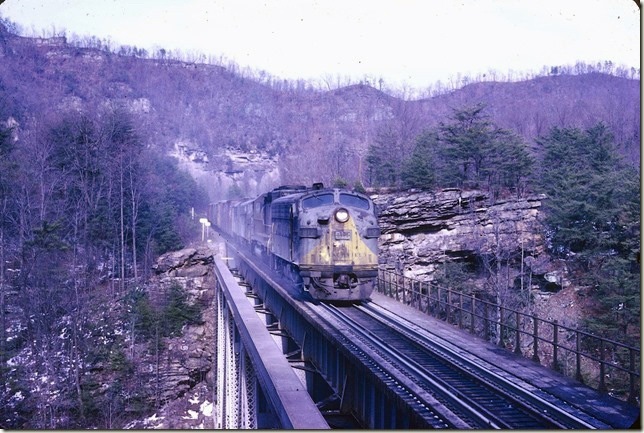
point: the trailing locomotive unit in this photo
(327, 236)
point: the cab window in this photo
(317, 201)
(354, 201)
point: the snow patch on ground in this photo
(17, 397)
(153, 421)
(206, 408)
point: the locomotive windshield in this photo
(354, 201)
(317, 200)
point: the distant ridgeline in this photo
(224, 111)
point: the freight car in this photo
(324, 238)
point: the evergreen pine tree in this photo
(383, 163)
(340, 182)
(468, 140)
(358, 187)
(178, 312)
(593, 210)
(418, 169)
(475, 152)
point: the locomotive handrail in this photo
(506, 327)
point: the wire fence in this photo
(604, 364)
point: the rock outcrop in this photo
(183, 383)
(188, 262)
(420, 230)
(253, 172)
(189, 357)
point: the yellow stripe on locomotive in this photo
(334, 247)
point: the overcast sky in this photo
(403, 41)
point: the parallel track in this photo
(482, 398)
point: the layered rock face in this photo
(189, 358)
(420, 230)
(187, 263)
(185, 377)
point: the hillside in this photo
(95, 332)
(227, 128)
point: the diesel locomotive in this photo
(326, 237)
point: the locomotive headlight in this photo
(342, 215)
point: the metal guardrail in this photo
(523, 333)
(249, 363)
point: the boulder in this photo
(176, 263)
(197, 270)
(173, 259)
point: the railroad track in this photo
(481, 398)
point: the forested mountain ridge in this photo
(221, 112)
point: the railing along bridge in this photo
(571, 351)
(255, 386)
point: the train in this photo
(326, 239)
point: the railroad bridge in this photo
(407, 359)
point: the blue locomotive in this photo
(327, 237)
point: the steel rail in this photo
(446, 391)
(537, 405)
(625, 364)
(472, 412)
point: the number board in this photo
(342, 235)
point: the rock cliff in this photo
(253, 172)
(185, 381)
(421, 230)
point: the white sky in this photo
(403, 41)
